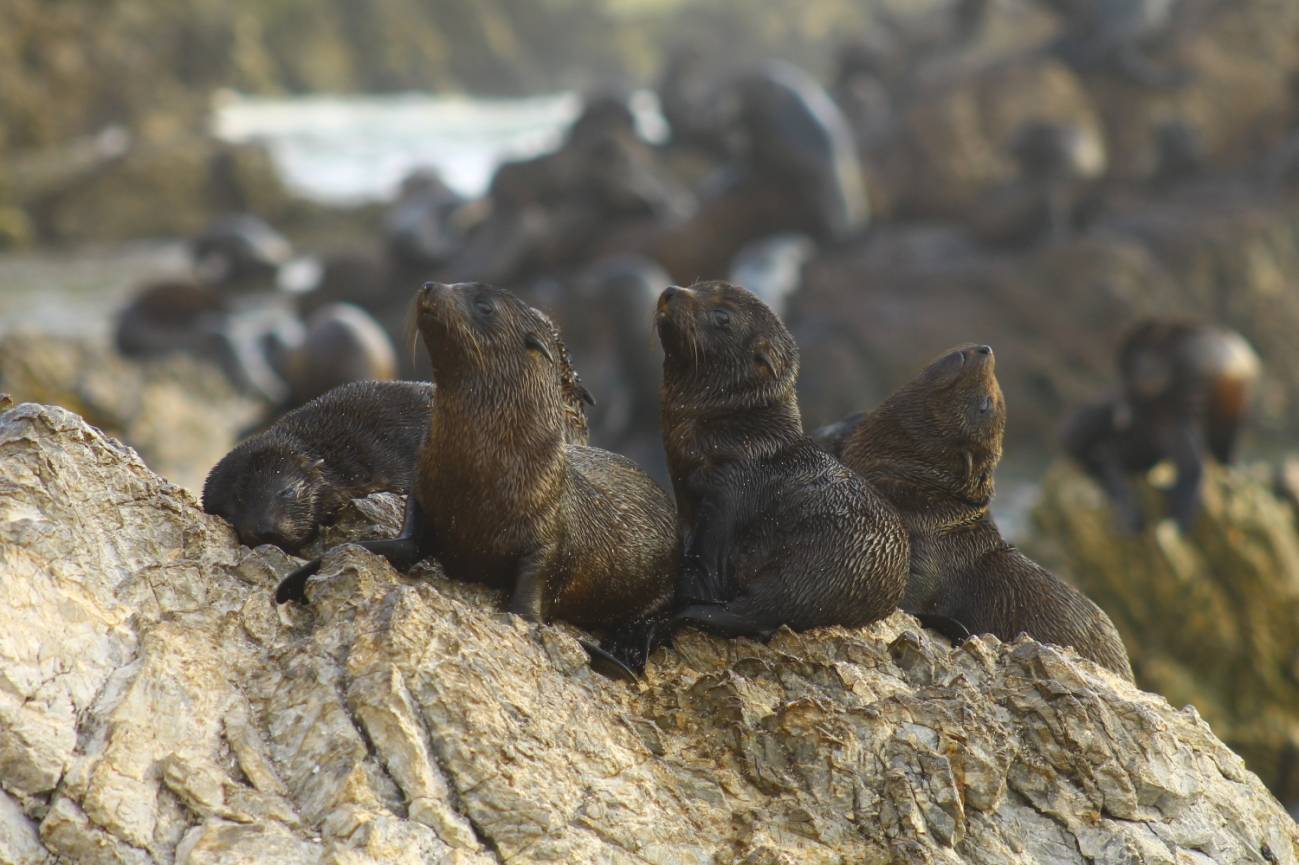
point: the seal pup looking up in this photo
(279, 486)
(501, 496)
(775, 531)
(931, 449)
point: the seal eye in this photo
(286, 494)
(484, 306)
(720, 317)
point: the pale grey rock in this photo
(156, 708)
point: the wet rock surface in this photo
(157, 708)
(1208, 618)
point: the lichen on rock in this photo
(156, 707)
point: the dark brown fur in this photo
(931, 449)
(776, 532)
(571, 532)
(167, 317)
(281, 485)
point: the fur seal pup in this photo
(775, 531)
(501, 496)
(168, 316)
(1185, 389)
(420, 228)
(1114, 37)
(1060, 166)
(931, 449)
(279, 486)
(605, 314)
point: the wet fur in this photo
(931, 448)
(509, 499)
(776, 532)
(354, 440)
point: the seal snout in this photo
(429, 294)
(978, 357)
(671, 298)
(671, 295)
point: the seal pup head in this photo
(271, 493)
(962, 399)
(944, 427)
(724, 348)
(487, 340)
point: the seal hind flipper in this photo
(294, 586)
(631, 644)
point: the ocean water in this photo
(354, 149)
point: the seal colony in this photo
(770, 528)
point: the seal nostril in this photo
(983, 349)
(671, 291)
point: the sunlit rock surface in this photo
(1210, 619)
(155, 707)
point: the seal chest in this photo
(569, 531)
(775, 532)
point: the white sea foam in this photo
(351, 149)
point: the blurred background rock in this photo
(1034, 174)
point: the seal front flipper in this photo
(945, 625)
(294, 586)
(401, 552)
(705, 571)
(725, 621)
(609, 665)
(631, 644)
(529, 596)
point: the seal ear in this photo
(945, 370)
(585, 395)
(762, 356)
(534, 343)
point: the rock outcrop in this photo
(156, 708)
(1209, 618)
(180, 413)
